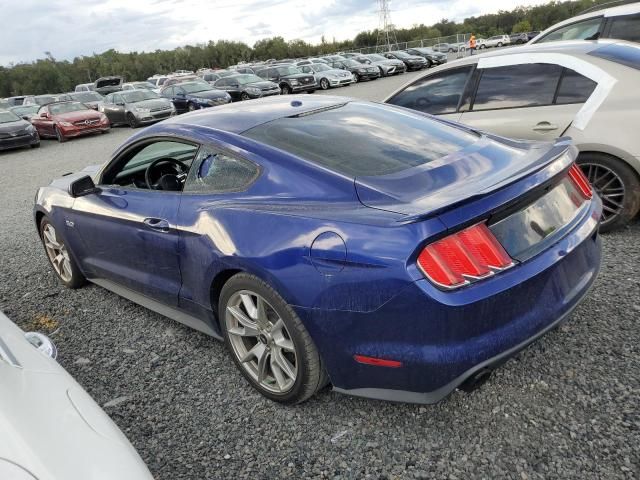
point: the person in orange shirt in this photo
(472, 43)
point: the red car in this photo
(64, 120)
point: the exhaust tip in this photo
(476, 380)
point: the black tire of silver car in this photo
(61, 138)
(244, 96)
(356, 78)
(618, 186)
(132, 121)
(285, 89)
(60, 259)
(324, 84)
(191, 107)
(247, 332)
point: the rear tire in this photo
(35, 145)
(60, 259)
(285, 89)
(191, 107)
(244, 96)
(132, 121)
(618, 186)
(264, 329)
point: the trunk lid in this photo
(481, 168)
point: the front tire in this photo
(617, 185)
(132, 121)
(285, 89)
(244, 96)
(324, 84)
(268, 342)
(59, 257)
(59, 135)
(191, 107)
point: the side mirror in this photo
(45, 115)
(82, 186)
(26, 117)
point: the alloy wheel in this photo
(57, 253)
(324, 84)
(609, 187)
(261, 342)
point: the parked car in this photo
(85, 87)
(183, 73)
(246, 69)
(158, 80)
(358, 70)
(137, 107)
(66, 120)
(107, 85)
(138, 86)
(495, 41)
(52, 428)
(190, 96)
(209, 77)
(412, 62)
(518, 38)
(622, 23)
(184, 78)
(328, 77)
(532, 35)
(44, 99)
(224, 73)
(309, 61)
(289, 78)
(4, 104)
(91, 99)
(471, 223)
(346, 55)
(15, 132)
(386, 66)
(432, 57)
(25, 111)
(589, 93)
(445, 47)
(15, 101)
(247, 86)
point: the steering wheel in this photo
(147, 174)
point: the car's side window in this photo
(574, 88)
(435, 94)
(129, 169)
(513, 86)
(625, 27)
(217, 172)
(576, 31)
(306, 69)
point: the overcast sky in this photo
(69, 28)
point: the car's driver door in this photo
(129, 231)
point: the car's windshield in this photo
(43, 99)
(245, 79)
(26, 110)
(6, 117)
(288, 70)
(87, 96)
(139, 96)
(320, 67)
(389, 140)
(225, 73)
(401, 54)
(351, 63)
(195, 87)
(58, 108)
(374, 57)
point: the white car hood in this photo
(51, 427)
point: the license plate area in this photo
(537, 226)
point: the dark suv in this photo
(360, 71)
(289, 79)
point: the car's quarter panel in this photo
(120, 246)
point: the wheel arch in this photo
(611, 151)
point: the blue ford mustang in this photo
(328, 240)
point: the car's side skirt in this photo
(161, 308)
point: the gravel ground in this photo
(567, 407)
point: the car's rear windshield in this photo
(621, 53)
(361, 139)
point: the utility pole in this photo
(386, 32)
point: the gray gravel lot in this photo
(567, 407)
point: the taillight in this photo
(581, 181)
(464, 257)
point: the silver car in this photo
(326, 76)
(386, 66)
(137, 107)
(587, 90)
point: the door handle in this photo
(545, 127)
(157, 224)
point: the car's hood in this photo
(77, 116)
(336, 72)
(484, 166)
(297, 76)
(152, 103)
(50, 426)
(264, 84)
(212, 94)
(415, 58)
(11, 127)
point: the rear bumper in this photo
(443, 338)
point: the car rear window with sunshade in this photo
(358, 139)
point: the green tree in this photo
(521, 26)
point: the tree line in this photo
(49, 75)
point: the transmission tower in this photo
(386, 33)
